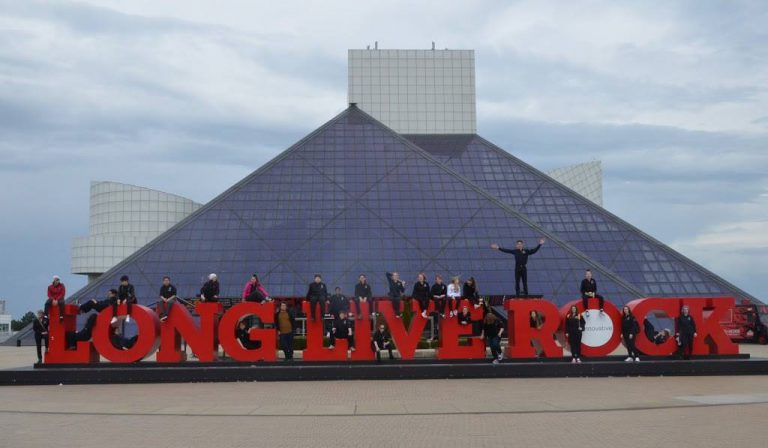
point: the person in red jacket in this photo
(56, 293)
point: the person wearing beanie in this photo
(56, 293)
(126, 294)
(210, 290)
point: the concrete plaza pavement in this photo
(546, 412)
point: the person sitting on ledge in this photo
(339, 303)
(454, 295)
(254, 291)
(167, 297)
(589, 290)
(126, 294)
(341, 329)
(382, 340)
(469, 292)
(363, 295)
(439, 292)
(99, 305)
(521, 255)
(210, 290)
(317, 295)
(396, 291)
(421, 293)
(56, 293)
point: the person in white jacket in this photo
(454, 296)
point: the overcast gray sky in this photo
(190, 96)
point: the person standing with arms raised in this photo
(521, 254)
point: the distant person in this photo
(99, 305)
(382, 340)
(363, 295)
(521, 255)
(211, 289)
(339, 303)
(167, 298)
(439, 292)
(454, 296)
(40, 327)
(421, 293)
(126, 294)
(56, 293)
(465, 317)
(242, 333)
(629, 331)
(662, 336)
(686, 332)
(589, 291)
(491, 333)
(396, 291)
(73, 337)
(469, 292)
(536, 321)
(574, 327)
(285, 323)
(342, 329)
(119, 340)
(254, 291)
(317, 294)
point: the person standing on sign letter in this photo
(629, 331)
(686, 331)
(521, 260)
(285, 323)
(574, 327)
(589, 290)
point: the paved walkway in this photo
(643, 412)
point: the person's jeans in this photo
(286, 344)
(495, 343)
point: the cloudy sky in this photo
(190, 96)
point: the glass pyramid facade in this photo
(355, 197)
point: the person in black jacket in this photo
(686, 332)
(120, 341)
(167, 297)
(242, 333)
(382, 340)
(339, 303)
(125, 294)
(396, 291)
(210, 290)
(99, 305)
(342, 329)
(421, 293)
(439, 292)
(521, 260)
(574, 326)
(589, 290)
(317, 294)
(492, 331)
(629, 331)
(40, 327)
(363, 295)
(73, 337)
(285, 324)
(465, 317)
(469, 291)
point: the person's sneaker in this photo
(330, 347)
(127, 319)
(601, 311)
(495, 361)
(424, 314)
(442, 315)
(628, 359)
(587, 313)
(397, 316)
(114, 319)
(573, 361)
(637, 359)
(352, 349)
(578, 360)
(500, 357)
(164, 318)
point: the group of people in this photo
(439, 300)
